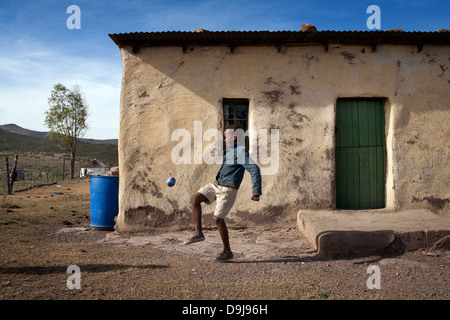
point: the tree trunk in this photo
(73, 150)
(72, 165)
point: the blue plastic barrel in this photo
(104, 192)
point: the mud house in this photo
(358, 120)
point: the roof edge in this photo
(236, 38)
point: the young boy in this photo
(224, 190)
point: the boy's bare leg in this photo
(223, 231)
(196, 201)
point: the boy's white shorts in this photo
(225, 197)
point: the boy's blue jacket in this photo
(235, 161)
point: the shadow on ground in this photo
(94, 268)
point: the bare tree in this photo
(67, 119)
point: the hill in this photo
(19, 143)
(14, 128)
(19, 130)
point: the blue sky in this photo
(37, 50)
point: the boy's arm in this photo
(255, 174)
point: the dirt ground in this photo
(42, 234)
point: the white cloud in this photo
(28, 72)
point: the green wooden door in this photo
(360, 154)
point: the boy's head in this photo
(230, 134)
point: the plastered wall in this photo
(294, 90)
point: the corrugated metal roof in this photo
(237, 38)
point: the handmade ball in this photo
(171, 181)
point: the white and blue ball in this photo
(171, 181)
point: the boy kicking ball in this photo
(224, 191)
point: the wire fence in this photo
(35, 170)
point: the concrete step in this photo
(336, 233)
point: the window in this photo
(235, 112)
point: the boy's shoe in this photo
(194, 238)
(224, 256)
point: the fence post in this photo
(13, 175)
(7, 176)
